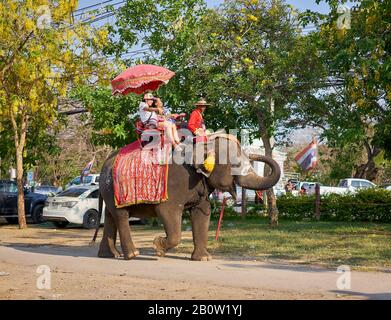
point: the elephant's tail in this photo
(99, 218)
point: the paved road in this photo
(78, 274)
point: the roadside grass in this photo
(360, 245)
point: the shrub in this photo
(296, 207)
(216, 209)
(252, 209)
(372, 205)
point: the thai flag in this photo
(85, 172)
(307, 158)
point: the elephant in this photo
(189, 187)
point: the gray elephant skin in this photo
(188, 188)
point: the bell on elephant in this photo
(209, 163)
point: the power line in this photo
(100, 9)
(129, 54)
(98, 17)
(95, 19)
(92, 6)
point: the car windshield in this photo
(343, 183)
(355, 184)
(86, 180)
(8, 187)
(72, 192)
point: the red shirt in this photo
(196, 121)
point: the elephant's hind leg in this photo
(172, 222)
(122, 220)
(107, 247)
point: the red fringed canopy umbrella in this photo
(141, 78)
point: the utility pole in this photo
(317, 201)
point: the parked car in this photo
(386, 186)
(349, 185)
(34, 203)
(309, 187)
(78, 204)
(250, 196)
(91, 179)
(47, 190)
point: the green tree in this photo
(354, 49)
(112, 117)
(248, 57)
(253, 54)
(42, 52)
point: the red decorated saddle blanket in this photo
(139, 177)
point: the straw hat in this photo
(202, 103)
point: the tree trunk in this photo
(19, 181)
(272, 209)
(20, 141)
(368, 170)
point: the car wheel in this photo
(60, 224)
(37, 214)
(12, 220)
(91, 219)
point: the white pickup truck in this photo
(350, 185)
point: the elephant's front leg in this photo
(200, 218)
(172, 222)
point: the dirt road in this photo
(76, 273)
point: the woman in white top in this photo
(148, 113)
(152, 116)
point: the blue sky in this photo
(300, 4)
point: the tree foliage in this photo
(247, 57)
(355, 51)
(42, 53)
(112, 117)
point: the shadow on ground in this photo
(369, 296)
(87, 251)
(279, 266)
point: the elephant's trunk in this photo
(254, 182)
